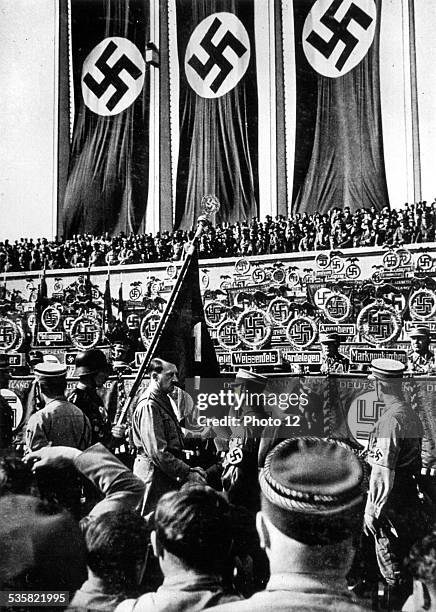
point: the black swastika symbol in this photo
(423, 305)
(301, 332)
(216, 57)
(380, 324)
(337, 307)
(340, 31)
(112, 76)
(86, 333)
(235, 456)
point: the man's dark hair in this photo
(56, 386)
(421, 562)
(156, 365)
(16, 476)
(194, 525)
(115, 543)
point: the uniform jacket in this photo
(59, 423)
(420, 363)
(91, 404)
(299, 593)
(158, 439)
(188, 592)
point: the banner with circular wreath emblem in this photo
(279, 310)
(391, 260)
(215, 312)
(278, 276)
(148, 327)
(242, 267)
(386, 322)
(171, 271)
(322, 260)
(301, 332)
(422, 304)
(405, 256)
(67, 323)
(293, 278)
(254, 327)
(50, 318)
(9, 333)
(227, 335)
(337, 307)
(258, 275)
(85, 332)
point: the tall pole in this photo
(416, 148)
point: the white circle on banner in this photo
(217, 55)
(338, 35)
(112, 76)
(16, 406)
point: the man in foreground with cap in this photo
(6, 414)
(58, 423)
(393, 513)
(420, 359)
(158, 438)
(92, 369)
(333, 362)
(312, 502)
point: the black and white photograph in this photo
(217, 305)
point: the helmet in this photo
(90, 362)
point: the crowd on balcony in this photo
(337, 229)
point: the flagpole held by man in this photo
(171, 357)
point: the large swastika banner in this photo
(218, 108)
(108, 171)
(338, 143)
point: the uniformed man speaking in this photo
(393, 512)
(158, 439)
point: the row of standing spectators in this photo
(337, 229)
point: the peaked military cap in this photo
(420, 332)
(385, 369)
(50, 371)
(312, 477)
(326, 338)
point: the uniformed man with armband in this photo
(393, 512)
(240, 467)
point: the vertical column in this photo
(266, 78)
(153, 206)
(166, 182)
(289, 92)
(64, 132)
(414, 102)
(173, 98)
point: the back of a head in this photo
(16, 476)
(116, 543)
(41, 546)
(194, 525)
(311, 491)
